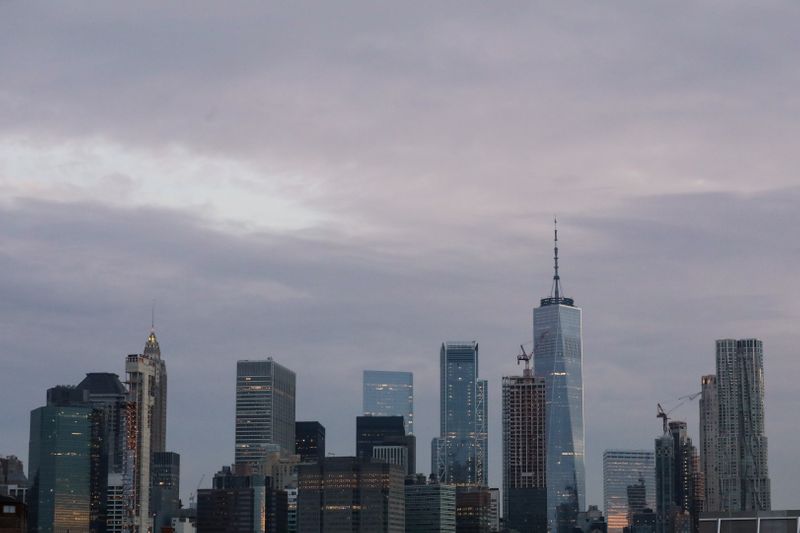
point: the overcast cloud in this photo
(344, 185)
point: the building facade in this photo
(348, 494)
(309, 438)
(558, 358)
(473, 509)
(430, 507)
(524, 452)
(733, 443)
(165, 475)
(385, 438)
(459, 454)
(265, 410)
(388, 393)
(679, 492)
(626, 474)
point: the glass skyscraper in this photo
(558, 358)
(388, 393)
(265, 410)
(623, 469)
(460, 452)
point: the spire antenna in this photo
(556, 278)
(153, 316)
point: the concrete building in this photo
(13, 515)
(13, 482)
(558, 358)
(265, 410)
(524, 452)
(348, 494)
(430, 507)
(733, 443)
(622, 471)
(459, 454)
(309, 440)
(388, 393)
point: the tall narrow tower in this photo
(558, 358)
(146, 429)
(524, 457)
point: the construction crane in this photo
(524, 356)
(664, 415)
(194, 494)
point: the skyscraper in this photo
(735, 447)
(558, 357)
(60, 466)
(384, 437)
(430, 507)
(265, 410)
(524, 454)
(165, 491)
(389, 393)
(146, 427)
(678, 481)
(623, 469)
(459, 454)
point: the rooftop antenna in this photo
(153, 316)
(556, 278)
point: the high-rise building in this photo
(309, 438)
(624, 470)
(146, 423)
(265, 410)
(524, 453)
(733, 444)
(459, 453)
(165, 475)
(558, 358)
(241, 504)
(678, 481)
(709, 441)
(430, 507)
(494, 510)
(62, 463)
(388, 393)
(384, 437)
(348, 494)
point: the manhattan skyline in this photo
(342, 193)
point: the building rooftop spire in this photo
(556, 292)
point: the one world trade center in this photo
(558, 358)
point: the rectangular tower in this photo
(430, 508)
(624, 471)
(387, 433)
(459, 452)
(709, 441)
(389, 393)
(265, 410)
(744, 483)
(309, 438)
(524, 452)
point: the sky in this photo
(345, 185)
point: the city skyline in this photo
(339, 194)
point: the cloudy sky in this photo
(344, 185)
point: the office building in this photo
(388, 393)
(459, 454)
(13, 482)
(146, 423)
(115, 503)
(265, 410)
(627, 472)
(309, 440)
(591, 521)
(494, 510)
(241, 504)
(348, 494)
(291, 510)
(430, 507)
(61, 464)
(473, 509)
(384, 438)
(165, 474)
(524, 452)
(558, 358)
(678, 481)
(733, 444)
